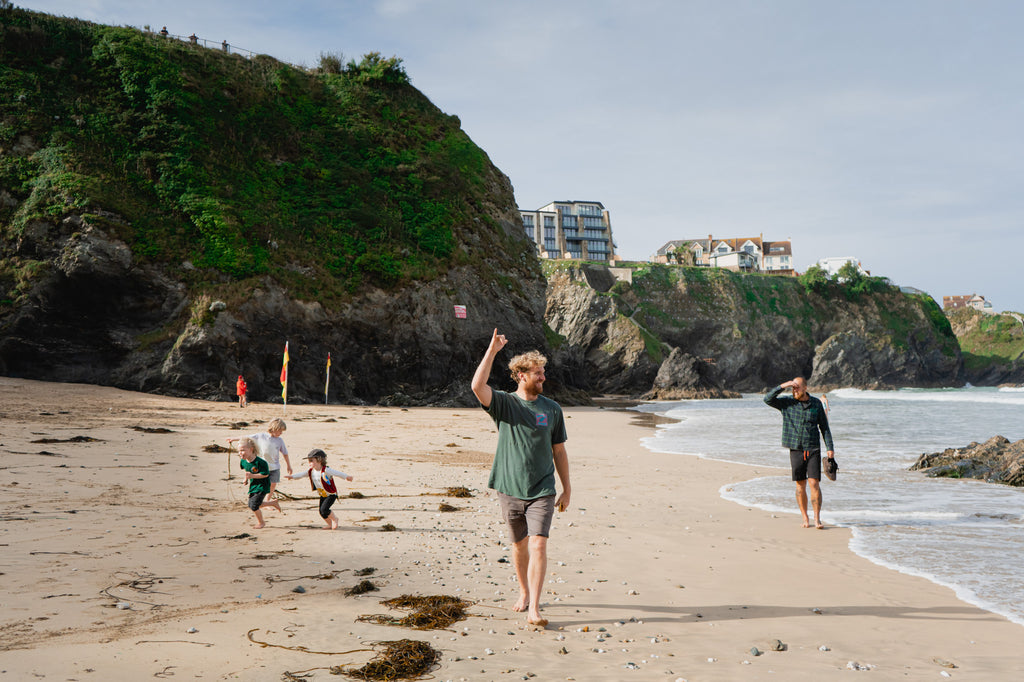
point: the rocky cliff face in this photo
(747, 332)
(99, 316)
(171, 215)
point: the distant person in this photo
(321, 479)
(803, 416)
(531, 449)
(257, 474)
(271, 448)
(193, 39)
(224, 46)
(242, 390)
(163, 31)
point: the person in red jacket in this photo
(241, 389)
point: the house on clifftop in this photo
(740, 254)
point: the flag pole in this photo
(327, 383)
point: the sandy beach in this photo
(128, 553)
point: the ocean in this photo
(962, 533)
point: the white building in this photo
(832, 264)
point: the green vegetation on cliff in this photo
(243, 167)
(988, 340)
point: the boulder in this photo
(997, 460)
(684, 377)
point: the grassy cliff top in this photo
(240, 167)
(988, 339)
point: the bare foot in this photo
(258, 526)
(807, 523)
(819, 525)
(538, 623)
(523, 603)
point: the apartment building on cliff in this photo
(743, 254)
(571, 229)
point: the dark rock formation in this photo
(997, 460)
(684, 377)
(738, 332)
(100, 317)
(603, 350)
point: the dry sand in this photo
(131, 557)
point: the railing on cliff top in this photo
(223, 46)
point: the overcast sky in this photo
(887, 130)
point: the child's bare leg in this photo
(269, 501)
(259, 518)
(332, 522)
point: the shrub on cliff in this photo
(814, 280)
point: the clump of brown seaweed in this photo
(404, 659)
(362, 587)
(433, 612)
(458, 491)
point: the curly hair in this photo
(524, 362)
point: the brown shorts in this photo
(527, 517)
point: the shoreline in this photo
(683, 582)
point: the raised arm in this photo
(771, 398)
(480, 388)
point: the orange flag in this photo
(284, 375)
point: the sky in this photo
(885, 130)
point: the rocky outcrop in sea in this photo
(997, 460)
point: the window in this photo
(723, 249)
(568, 221)
(549, 233)
(748, 248)
(528, 220)
(549, 221)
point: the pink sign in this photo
(460, 312)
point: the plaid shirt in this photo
(801, 421)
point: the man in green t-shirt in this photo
(531, 450)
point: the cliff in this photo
(992, 345)
(170, 215)
(749, 332)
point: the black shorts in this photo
(325, 505)
(806, 464)
(256, 499)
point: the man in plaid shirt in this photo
(803, 416)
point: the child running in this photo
(321, 479)
(256, 473)
(270, 446)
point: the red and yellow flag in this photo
(284, 374)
